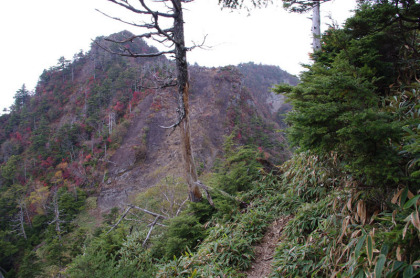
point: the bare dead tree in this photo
(22, 221)
(111, 121)
(301, 6)
(19, 221)
(27, 215)
(173, 37)
(151, 225)
(316, 26)
(19, 218)
(57, 215)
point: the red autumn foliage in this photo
(17, 136)
(47, 163)
(136, 96)
(119, 107)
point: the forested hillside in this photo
(91, 185)
(88, 141)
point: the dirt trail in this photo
(264, 251)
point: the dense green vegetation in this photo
(203, 240)
(360, 97)
(351, 189)
(355, 124)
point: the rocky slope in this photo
(94, 122)
(220, 104)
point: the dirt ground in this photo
(264, 251)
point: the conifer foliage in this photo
(347, 101)
(351, 190)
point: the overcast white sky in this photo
(36, 33)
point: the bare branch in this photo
(158, 224)
(148, 212)
(224, 193)
(163, 86)
(166, 197)
(163, 32)
(135, 215)
(125, 4)
(135, 55)
(149, 11)
(163, 42)
(181, 113)
(119, 220)
(167, 214)
(126, 22)
(130, 39)
(180, 207)
(149, 35)
(150, 231)
(206, 189)
(134, 220)
(198, 45)
(127, 210)
(139, 220)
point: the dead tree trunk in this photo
(22, 221)
(175, 36)
(316, 26)
(56, 210)
(303, 6)
(190, 172)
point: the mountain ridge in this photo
(98, 116)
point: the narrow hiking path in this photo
(264, 251)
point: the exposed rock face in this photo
(220, 103)
(94, 122)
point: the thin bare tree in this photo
(301, 6)
(57, 214)
(316, 26)
(172, 36)
(19, 221)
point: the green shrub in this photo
(183, 232)
(238, 169)
(30, 266)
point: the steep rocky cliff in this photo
(220, 104)
(94, 122)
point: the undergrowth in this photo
(341, 230)
(338, 228)
(228, 248)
